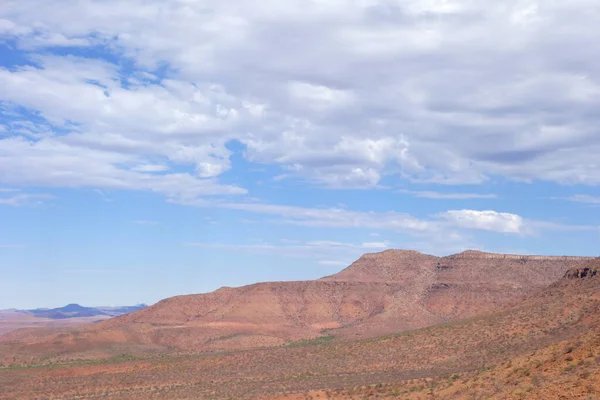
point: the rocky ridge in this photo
(380, 293)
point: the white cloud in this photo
(485, 220)
(338, 93)
(9, 28)
(55, 163)
(319, 96)
(55, 40)
(336, 161)
(336, 217)
(150, 168)
(113, 132)
(446, 225)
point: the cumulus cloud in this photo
(56, 163)
(485, 220)
(113, 134)
(339, 93)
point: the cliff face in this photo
(474, 255)
(582, 273)
(509, 270)
(416, 269)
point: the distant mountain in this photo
(76, 311)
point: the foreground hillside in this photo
(566, 370)
(545, 346)
(379, 294)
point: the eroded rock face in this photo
(581, 273)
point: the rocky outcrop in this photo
(581, 273)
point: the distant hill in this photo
(78, 311)
(379, 294)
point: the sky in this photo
(155, 148)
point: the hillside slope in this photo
(380, 293)
(545, 346)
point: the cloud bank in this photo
(146, 95)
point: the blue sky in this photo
(149, 149)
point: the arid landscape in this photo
(71, 315)
(299, 200)
(396, 324)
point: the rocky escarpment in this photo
(509, 270)
(473, 255)
(379, 294)
(442, 289)
(417, 270)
